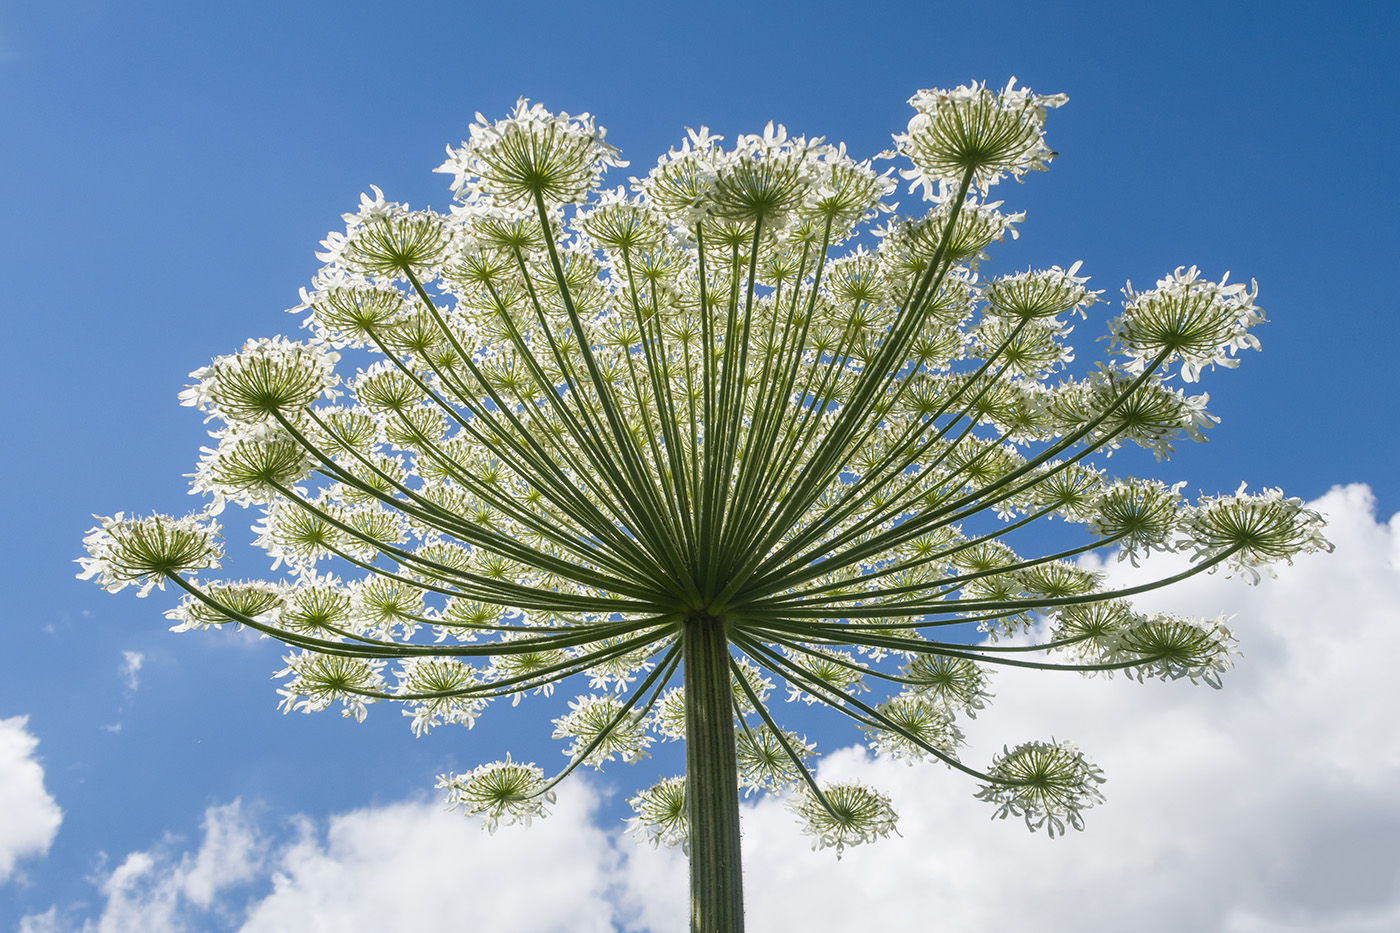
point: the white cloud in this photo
(413, 866)
(1270, 806)
(29, 816)
(157, 891)
(131, 669)
(408, 866)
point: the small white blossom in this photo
(500, 792)
(145, 551)
(856, 814)
(596, 719)
(661, 818)
(1198, 322)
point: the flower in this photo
(387, 240)
(766, 760)
(601, 729)
(249, 599)
(264, 380)
(316, 680)
(147, 551)
(253, 463)
(661, 818)
(433, 689)
(532, 153)
(672, 433)
(845, 814)
(1171, 647)
(921, 723)
(1045, 294)
(500, 792)
(1253, 531)
(1047, 783)
(1140, 516)
(1197, 322)
(974, 131)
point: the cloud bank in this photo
(1271, 806)
(29, 816)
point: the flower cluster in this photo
(532, 153)
(592, 431)
(1187, 319)
(845, 814)
(972, 130)
(500, 792)
(1049, 784)
(146, 551)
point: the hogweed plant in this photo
(671, 439)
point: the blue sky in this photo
(171, 167)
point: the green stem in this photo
(711, 779)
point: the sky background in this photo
(168, 171)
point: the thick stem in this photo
(711, 779)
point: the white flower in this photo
(1199, 322)
(500, 792)
(1256, 530)
(661, 818)
(318, 680)
(764, 762)
(918, 721)
(265, 379)
(532, 152)
(972, 129)
(599, 719)
(1048, 783)
(254, 462)
(256, 600)
(145, 551)
(852, 814)
(432, 688)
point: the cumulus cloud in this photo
(29, 816)
(1267, 807)
(413, 866)
(408, 866)
(161, 890)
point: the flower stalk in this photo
(712, 788)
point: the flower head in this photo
(386, 240)
(602, 723)
(1188, 319)
(972, 129)
(661, 817)
(265, 379)
(145, 551)
(250, 599)
(1048, 783)
(847, 814)
(667, 432)
(532, 153)
(253, 463)
(501, 792)
(1255, 530)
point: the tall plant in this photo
(672, 439)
